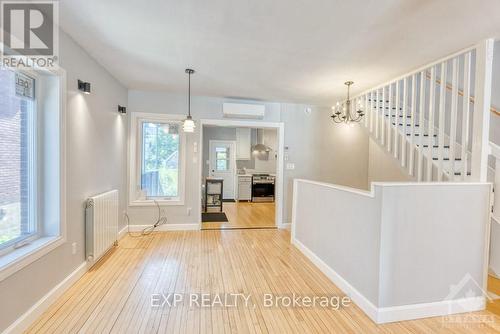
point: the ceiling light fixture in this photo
(84, 86)
(342, 112)
(189, 125)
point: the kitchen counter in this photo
(251, 174)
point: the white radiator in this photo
(101, 220)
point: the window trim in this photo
(39, 245)
(135, 153)
(33, 175)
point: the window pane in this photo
(160, 159)
(221, 155)
(16, 159)
(222, 165)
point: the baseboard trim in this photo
(285, 226)
(165, 227)
(360, 300)
(427, 310)
(122, 232)
(24, 321)
(397, 313)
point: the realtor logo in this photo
(29, 33)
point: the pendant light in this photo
(188, 125)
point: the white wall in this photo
(384, 250)
(319, 149)
(382, 166)
(96, 156)
(322, 150)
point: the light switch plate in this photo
(290, 166)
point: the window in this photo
(222, 158)
(18, 158)
(158, 158)
(31, 157)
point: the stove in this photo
(263, 188)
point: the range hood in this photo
(260, 148)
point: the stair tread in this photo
(460, 173)
(446, 159)
(401, 124)
(434, 146)
(407, 116)
(418, 135)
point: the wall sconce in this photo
(122, 109)
(84, 86)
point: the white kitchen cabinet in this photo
(244, 187)
(243, 143)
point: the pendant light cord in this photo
(189, 95)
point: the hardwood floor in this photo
(493, 305)
(245, 215)
(116, 295)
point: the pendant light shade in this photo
(188, 125)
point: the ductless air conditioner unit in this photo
(241, 110)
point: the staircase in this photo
(435, 122)
(429, 120)
(420, 146)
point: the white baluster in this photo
(404, 112)
(371, 112)
(377, 121)
(365, 109)
(430, 131)
(389, 112)
(420, 167)
(396, 122)
(382, 114)
(413, 115)
(453, 117)
(465, 115)
(441, 120)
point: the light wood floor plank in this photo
(245, 215)
(115, 296)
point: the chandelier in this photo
(342, 112)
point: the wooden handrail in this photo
(461, 93)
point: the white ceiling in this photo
(279, 50)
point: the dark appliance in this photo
(263, 188)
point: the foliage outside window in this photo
(160, 163)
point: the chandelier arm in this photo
(337, 120)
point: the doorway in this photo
(222, 165)
(229, 158)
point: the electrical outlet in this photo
(73, 248)
(188, 211)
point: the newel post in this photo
(481, 115)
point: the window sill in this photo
(19, 258)
(152, 203)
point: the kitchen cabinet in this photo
(243, 143)
(244, 187)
